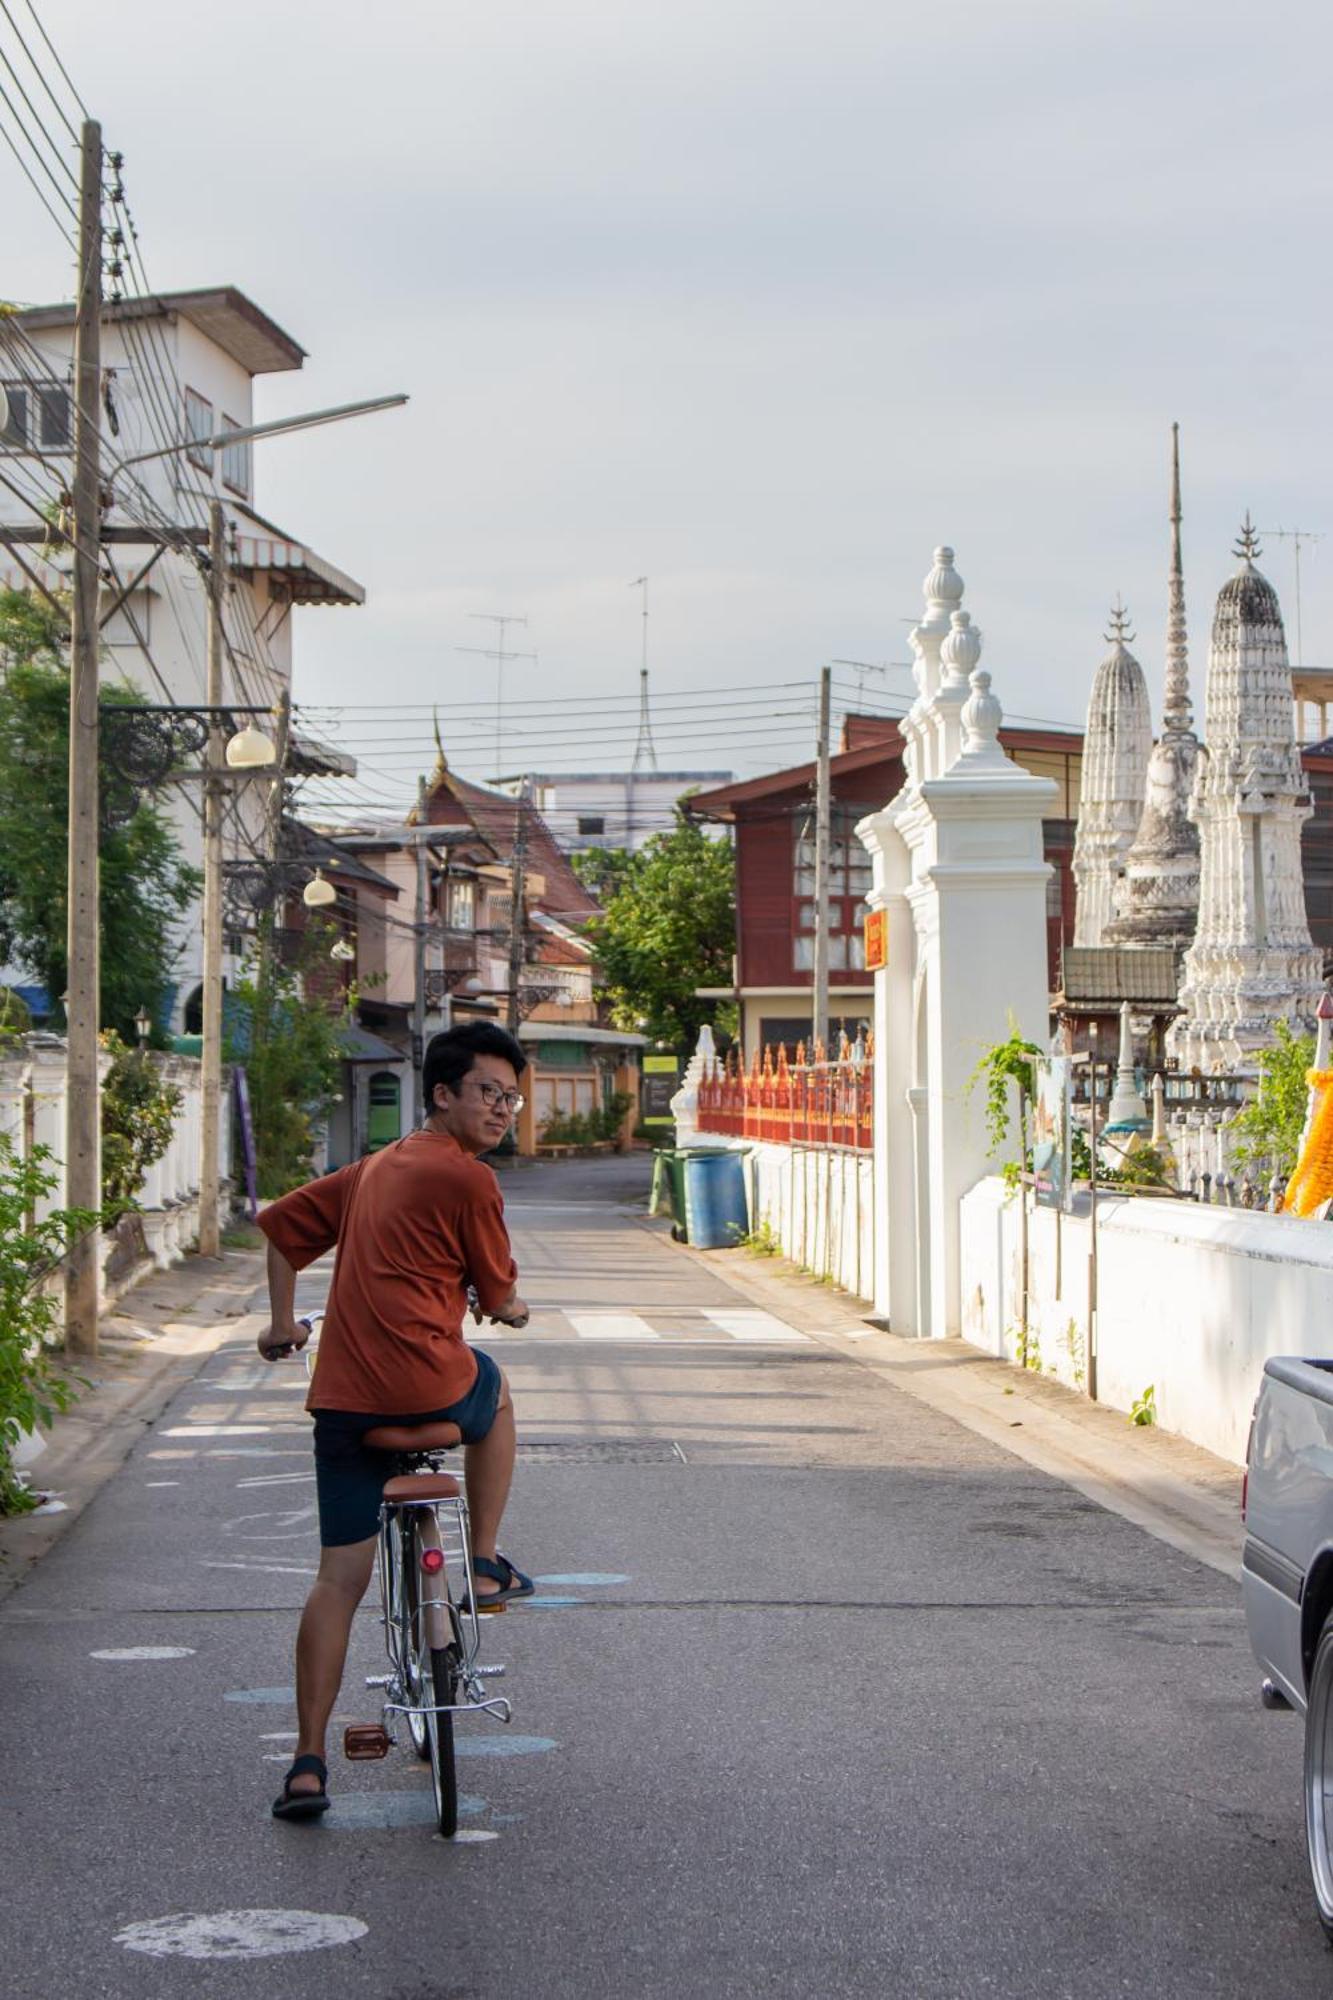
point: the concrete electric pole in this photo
(211, 1054)
(823, 818)
(83, 1137)
(419, 964)
(517, 913)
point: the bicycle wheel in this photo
(440, 1730)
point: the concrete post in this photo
(958, 867)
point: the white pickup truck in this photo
(1287, 1578)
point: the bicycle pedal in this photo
(489, 1673)
(365, 1740)
(379, 1680)
(485, 1610)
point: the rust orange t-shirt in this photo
(413, 1225)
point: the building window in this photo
(235, 461)
(39, 419)
(460, 910)
(848, 882)
(592, 823)
(198, 427)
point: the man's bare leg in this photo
(321, 1645)
(489, 1469)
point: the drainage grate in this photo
(601, 1451)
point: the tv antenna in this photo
(645, 756)
(1295, 536)
(500, 653)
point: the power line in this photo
(55, 57)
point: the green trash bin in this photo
(668, 1195)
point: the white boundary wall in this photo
(819, 1204)
(1192, 1301)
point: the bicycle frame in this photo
(438, 1612)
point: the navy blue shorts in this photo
(350, 1476)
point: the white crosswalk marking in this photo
(611, 1326)
(751, 1323)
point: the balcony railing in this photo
(825, 1102)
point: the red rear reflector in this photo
(432, 1561)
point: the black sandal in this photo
(303, 1805)
(512, 1581)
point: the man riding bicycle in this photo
(414, 1226)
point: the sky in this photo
(761, 301)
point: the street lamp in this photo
(143, 1027)
(250, 750)
(318, 892)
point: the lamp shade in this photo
(318, 893)
(250, 750)
(342, 951)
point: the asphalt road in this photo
(825, 1696)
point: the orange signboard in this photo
(877, 940)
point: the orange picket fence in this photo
(820, 1102)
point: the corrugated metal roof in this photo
(1105, 975)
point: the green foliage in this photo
(1269, 1128)
(761, 1241)
(138, 1114)
(290, 1036)
(1143, 1411)
(31, 1389)
(15, 1019)
(668, 926)
(591, 1128)
(145, 886)
(603, 870)
(1144, 1167)
(1006, 1063)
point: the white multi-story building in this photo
(176, 367)
(587, 809)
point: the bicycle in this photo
(429, 1609)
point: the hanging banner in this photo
(877, 940)
(1051, 1132)
(241, 1089)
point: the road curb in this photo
(151, 1345)
(1172, 1489)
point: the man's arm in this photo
(282, 1335)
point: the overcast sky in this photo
(761, 300)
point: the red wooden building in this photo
(773, 818)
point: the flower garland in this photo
(1312, 1182)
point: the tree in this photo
(603, 870)
(1269, 1128)
(669, 927)
(145, 885)
(290, 1038)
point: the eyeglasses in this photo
(493, 1097)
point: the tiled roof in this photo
(1103, 976)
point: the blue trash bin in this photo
(716, 1216)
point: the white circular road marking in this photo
(239, 1934)
(142, 1653)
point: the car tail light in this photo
(432, 1561)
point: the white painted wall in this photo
(1193, 1300)
(818, 1203)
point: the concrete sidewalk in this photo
(1165, 1485)
(150, 1344)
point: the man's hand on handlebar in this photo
(276, 1342)
(513, 1311)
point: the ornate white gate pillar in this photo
(960, 872)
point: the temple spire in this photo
(1157, 895)
(1177, 715)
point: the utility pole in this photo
(211, 1063)
(419, 965)
(517, 911)
(83, 1106)
(500, 654)
(823, 817)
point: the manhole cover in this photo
(601, 1451)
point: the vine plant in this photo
(1009, 1062)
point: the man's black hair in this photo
(451, 1055)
